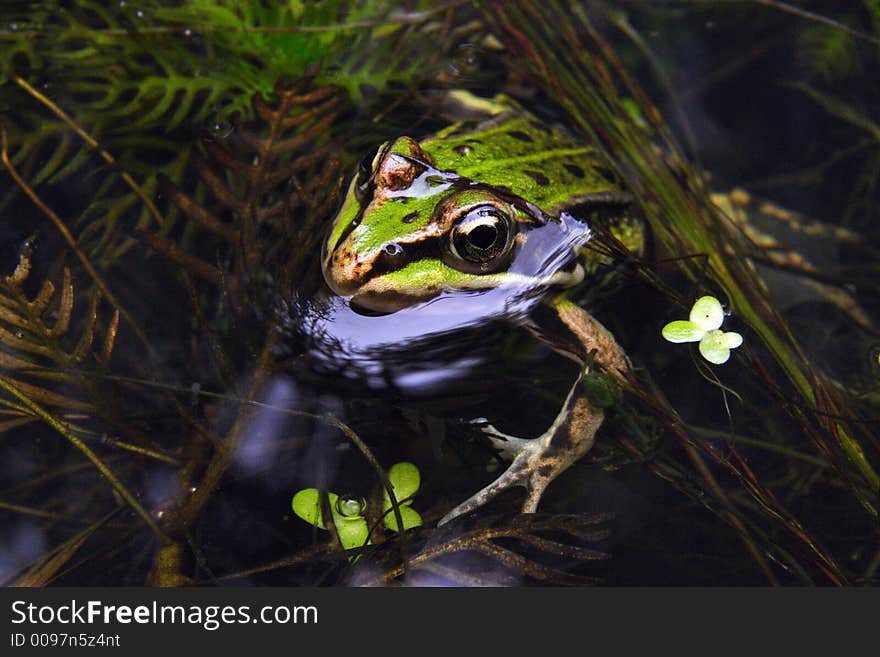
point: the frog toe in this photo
(517, 474)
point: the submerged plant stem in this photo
(60, 427)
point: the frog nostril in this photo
(392, 249)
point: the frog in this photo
(492, 214)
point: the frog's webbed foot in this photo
(537, 462)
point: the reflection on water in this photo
(260, 438)
(418, 348)
(19, 542)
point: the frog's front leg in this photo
(537, 462)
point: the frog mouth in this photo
(372, 304)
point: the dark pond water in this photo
(175, 368)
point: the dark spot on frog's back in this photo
(521, 136)
(538, 177)
(575, 170)
(411, 217)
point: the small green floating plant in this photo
(704, 326)
(348, 511)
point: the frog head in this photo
(411, 229)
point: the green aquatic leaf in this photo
(410, 517)
(704, 326)
(713, 347)
(707, 313)
(352, 529)
(405, 480)
(682, 330)
(352, 532)
(307, 505)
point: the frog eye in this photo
(481, 240)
